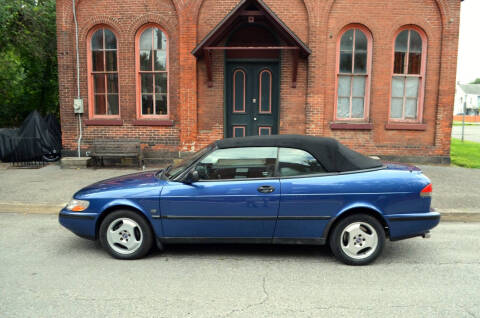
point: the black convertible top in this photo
(334, 156)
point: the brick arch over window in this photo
(407, 88)
(152, 72)
(102, 72)
(353, 73)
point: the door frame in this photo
(249, 60)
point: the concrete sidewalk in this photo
(46, 190)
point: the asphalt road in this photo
(46, 271)
(472, 132)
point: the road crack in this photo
(265, 298)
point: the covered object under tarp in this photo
(37, 139)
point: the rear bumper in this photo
(80, 223)
(402, 226)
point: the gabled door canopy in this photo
(248, 11)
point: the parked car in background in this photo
(282, 189)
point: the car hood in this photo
(139, 181)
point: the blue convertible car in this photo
(282, 189)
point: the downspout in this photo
(78, 77)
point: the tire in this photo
(51, 157)
(125, 235)
(364, 232)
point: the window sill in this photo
(351, 126)
(405, 126)
(103, 122)
(153, 122)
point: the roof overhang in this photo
(237, 16)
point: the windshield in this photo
(176, 169)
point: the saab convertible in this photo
(283, 189)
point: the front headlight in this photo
(77, 205)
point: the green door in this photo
(252, 99)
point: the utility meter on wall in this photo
(78, 106)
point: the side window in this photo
(295, 162)
(238, 163)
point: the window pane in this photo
(97, 61)
(357, 107)
(159, 40)
(411, 108)
(161, 104)
(345, 62)
(294, 162)
(111, 60)
(100, 107)
(112, 104)
(239, 163)
(99, 83)
(160, 83)
(147, 104)
(146, 39)
(266, 91)
(145, 61)
(97, 40)
(239, 91)
(360, 41)
(160, 60)
(397, 108)
(415, 42)
(343, 107)
(399, 63)
(412, 86)
(346, 42)
(112, 83)
(360, 62)
(358, 86)
(401, 42)
(147, 83)
(397, 86)
(344, 86)
(110, 40)
(414, 63)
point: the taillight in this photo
(427, 191)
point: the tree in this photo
(28, 59)
(476, 81)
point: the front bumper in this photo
(402, 226)
(81, 223)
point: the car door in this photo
(237, 197)
(305, 206)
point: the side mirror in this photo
(191, 177)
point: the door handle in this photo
(266, 189)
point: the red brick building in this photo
(378, 75)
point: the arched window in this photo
(353, 73)
(152, 72)
(408, 75)
(103, 73)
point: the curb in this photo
(49, 208)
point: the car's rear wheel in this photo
(125, 235)
(357, 240)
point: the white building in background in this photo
(469, 93)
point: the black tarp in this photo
(334, 156)
(36, 137)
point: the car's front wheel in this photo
(357, 240)
(125, 235)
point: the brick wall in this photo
(197, 111)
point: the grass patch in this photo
(465, 154)
(459, 123)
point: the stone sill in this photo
(103, 122)
(151, 122)
(405, 126)
(351, 126)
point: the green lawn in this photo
(465, 154)
(459, 123)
